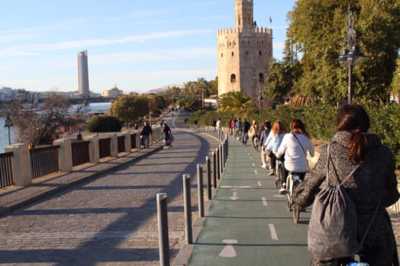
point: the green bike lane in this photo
(248, 222)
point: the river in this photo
(92, 108)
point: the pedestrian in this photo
(231, 126)
(238, 128)
(295, 147)
(218, 126)
(246, 128)
(365, 168)
(145, 135)
(272, 143)
(214, 124)
(263, 137)
(168, 137)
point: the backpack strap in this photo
(330, 160)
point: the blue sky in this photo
(135, 44)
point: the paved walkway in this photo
(248, 222)
(110, 220)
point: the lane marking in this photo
(234, 196)
(229, 250)
(259, 184)
(255, 172)
(264, 201)
(235, 187)
(280, 196)
(253, 164)
(272, 230)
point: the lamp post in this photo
(349, 56)
(8, 124)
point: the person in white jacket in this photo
(295, 146)
(272, 143)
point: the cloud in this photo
(89, 43)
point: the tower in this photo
(83, 74)
(244, 53)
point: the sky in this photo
(137, 45)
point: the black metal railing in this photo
(80, 153)
(104, 148)
(121, 144)
(133, 141)
(44, 161)
(6, 172)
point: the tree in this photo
(237, 103)
(104, 124)
(396, 80)
(130, 108)
(318, 28)
(42, 128)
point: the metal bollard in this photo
(187, 198)
(214, 155)
(223, 156)
(209, 188)
(200, 192)
(218, 165)
(162, 215)
(221, 163)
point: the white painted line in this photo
(259, 184)
(229, 250)
(273, 232)
(255, 172)
(264, 201)
(280, 196)
(254, 165)
(235, 187)
(234, 196)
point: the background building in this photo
(83, 74)
(244, 53)
(112, 93)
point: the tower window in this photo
(261, 78)
(233, 54)
(233, 78)
(260, 53)
(222, 55)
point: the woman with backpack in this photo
(349, 213)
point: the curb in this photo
(4, 211)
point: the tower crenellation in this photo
(244, 53)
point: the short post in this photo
(21, 164)
(162, 215)
(223, 156)
(64, 154)
(200, 192)
(209, 188)
(214, 155)
(94, 155)
(221, 169)
(218, 165)
(187, 198)
(114, 146)
(128, 143)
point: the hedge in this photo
(321, 119)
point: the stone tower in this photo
(244, 53)
(83, 75)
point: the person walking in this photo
(253, 133)
(168, 138)
(218, 127)
(272, 143)
(246, 127)
(294, 147)
(365, 169)
(145, 135)
(263, 137)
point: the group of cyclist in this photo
(360, 165)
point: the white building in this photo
(112, 93)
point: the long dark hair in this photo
(297, 126)
(355, 120)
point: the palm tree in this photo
(237, 103)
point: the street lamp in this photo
(349, 56)
(8, 124)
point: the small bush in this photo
(102, 124)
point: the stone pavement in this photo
(248, 222)
(110, 220)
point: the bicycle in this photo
(292, 181)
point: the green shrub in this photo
(101, 124)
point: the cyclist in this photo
(272, 143)
(263, 137)
(294, 147)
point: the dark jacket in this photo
(146, 131)
(374, 183)
(246, 126)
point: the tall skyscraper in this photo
(244, 53)
(83, 74)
